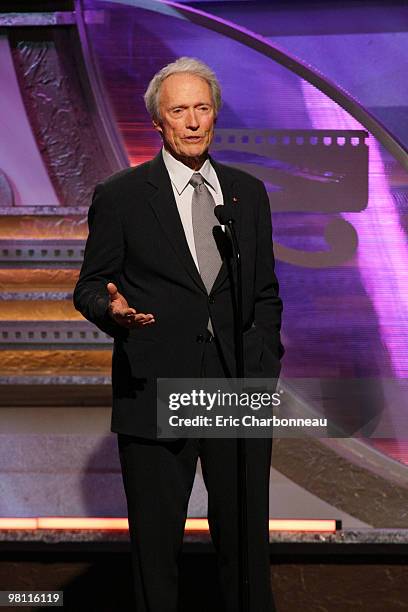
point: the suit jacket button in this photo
(200, 338)
(211, 299)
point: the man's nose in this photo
(192, 120)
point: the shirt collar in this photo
(180, 174)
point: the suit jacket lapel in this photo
(165, 208)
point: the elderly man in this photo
(154, 279)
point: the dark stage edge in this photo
(346, 571)
(344, 542)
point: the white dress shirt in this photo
(180, 176)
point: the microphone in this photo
(224, 214)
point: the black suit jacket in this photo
(136, 240)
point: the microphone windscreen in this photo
(224, 214)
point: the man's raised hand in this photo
(120, 311)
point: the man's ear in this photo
(157, 127)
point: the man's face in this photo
(187, 117)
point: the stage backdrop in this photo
(74, 114)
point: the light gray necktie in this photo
(208, 256)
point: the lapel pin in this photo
(234, 199)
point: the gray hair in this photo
(183, 64)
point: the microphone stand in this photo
(228, 221)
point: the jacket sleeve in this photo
(102, 263)
(268, 305)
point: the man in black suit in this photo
(153, 278)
